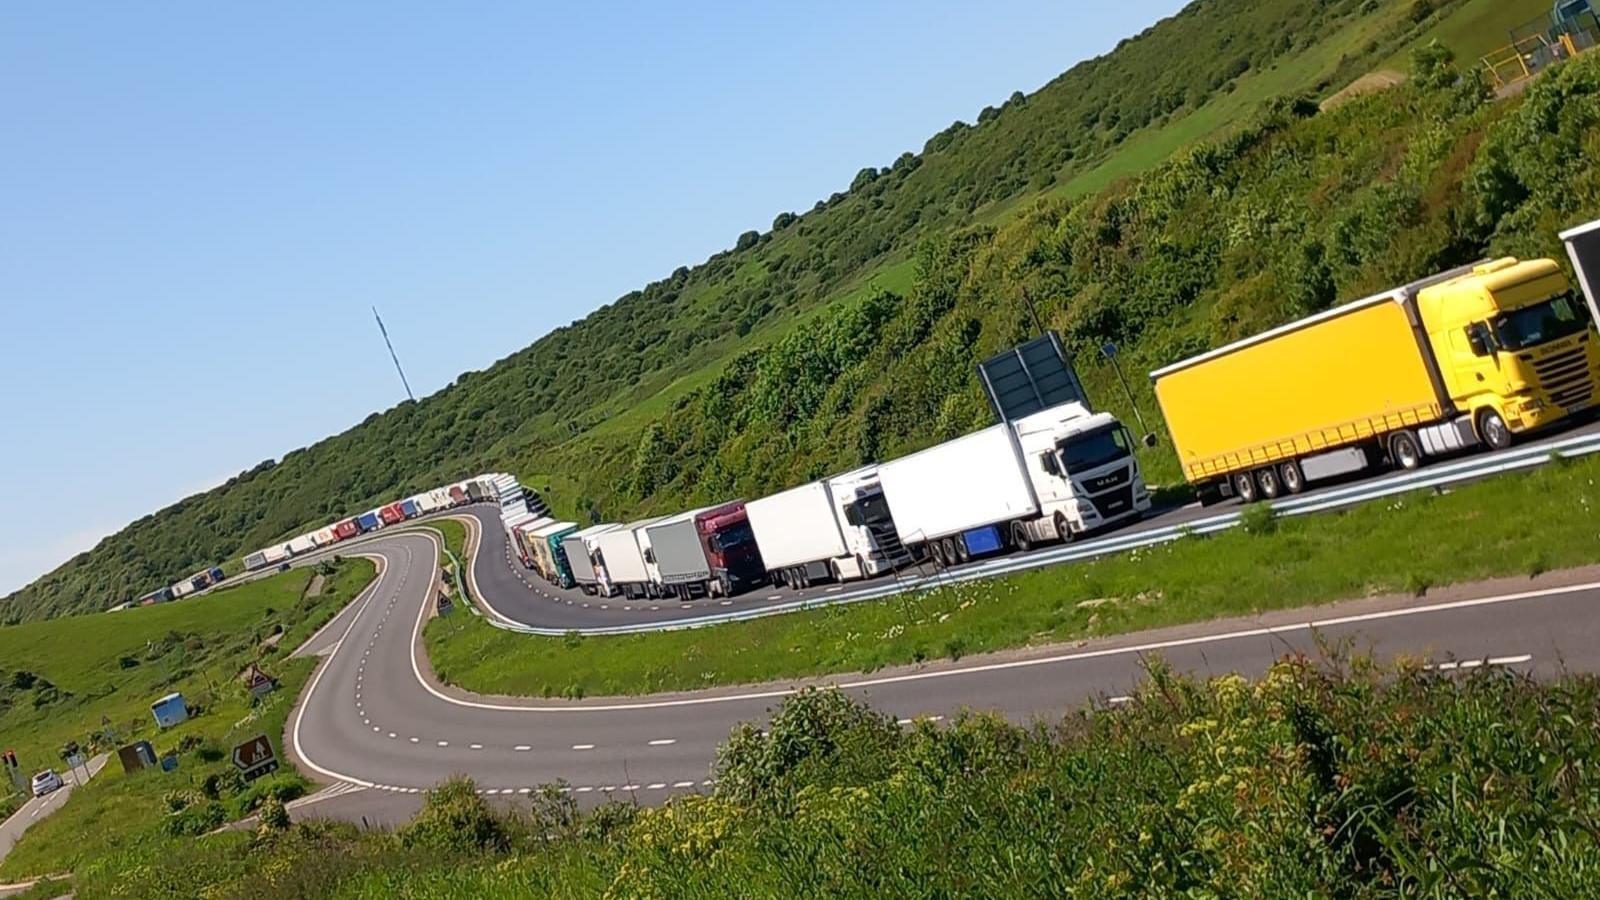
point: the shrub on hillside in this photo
(454, 819)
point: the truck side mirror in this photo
(1478, 339)
(650, 556)
(852, 515)
(1048, 460)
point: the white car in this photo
(46, 782)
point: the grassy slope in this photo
(521, 428)
(1515, 525)
(80, 654)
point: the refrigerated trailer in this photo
(1474, 356)
(621, 562)
(256, 560)
(516, 530)
(839, 528)
(706, 552)
(579, 549)
(1048, 476)
(304, 543)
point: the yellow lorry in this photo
(1473, 356)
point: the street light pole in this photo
(1109, 349)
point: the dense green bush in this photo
(1338, 778)
(454, 819)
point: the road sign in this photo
(255, 758)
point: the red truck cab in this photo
(392, 514)
(730, 547)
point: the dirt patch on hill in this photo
(1371, 83)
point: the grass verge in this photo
(217, 636)
(1516, 524)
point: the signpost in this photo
(255, 758)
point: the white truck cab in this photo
(872, 544)
(1083, 472)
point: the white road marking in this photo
(415, 740)
(522, 748)
(475, 746)
(835, 589)
(583, 746)
(1115, 701)
(582, 790)
(683, 784)
(656, 786)
(444, 743)
(1139, 649)
(664, 742)
(524, 790)
(391, 734)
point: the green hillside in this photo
(849, 331)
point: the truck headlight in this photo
(1533, 405)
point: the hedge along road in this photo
(517, 599)
(372, 716)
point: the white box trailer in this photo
(304, 543)
(324, 536)
(840, 528)
(275, 553)
(963, 484)
(621, 555)
(579, 547)
(182, 589)
(799, 534)
(256, 560)
(1048, 476)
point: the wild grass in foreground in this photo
(1322, 779)
(1519, 524)
(152, 809)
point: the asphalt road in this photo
(372, 718)
(39, 807)
(518, 596)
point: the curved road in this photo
(372, 717)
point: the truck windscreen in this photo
(1095, 448)
(1530, 326)
(871, 509)
(735, 536)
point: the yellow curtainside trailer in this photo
(1472, 356)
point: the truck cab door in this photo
(1471, 369)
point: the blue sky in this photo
(198, 207)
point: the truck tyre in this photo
(1019, 537)
(1267, 478)
(1294, 480)
(1244, 484)
(936, 550)
(1063, 530)
(1405, 451)
(838, 573)
(962, 553)
(950, 556)
(1492, 430)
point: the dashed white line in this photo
(415, 740)
(583, 746)
(1117, 701)
(663, 742)
(522, 748)
(444, 743)
(683, 784)
(475, 746)
(656, 786)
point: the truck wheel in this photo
(1019, 537)
(1492, 430)
(1268, 480)
(1244, 484)
(1063, 530)
(838, 573)
(962, 553)
(950, 557)
(1405, 451)
(936, 550)
(1294, 480)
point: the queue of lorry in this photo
(1478, 356)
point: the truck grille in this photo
(1565, 377)
(1114, 503)
(1107, 481)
